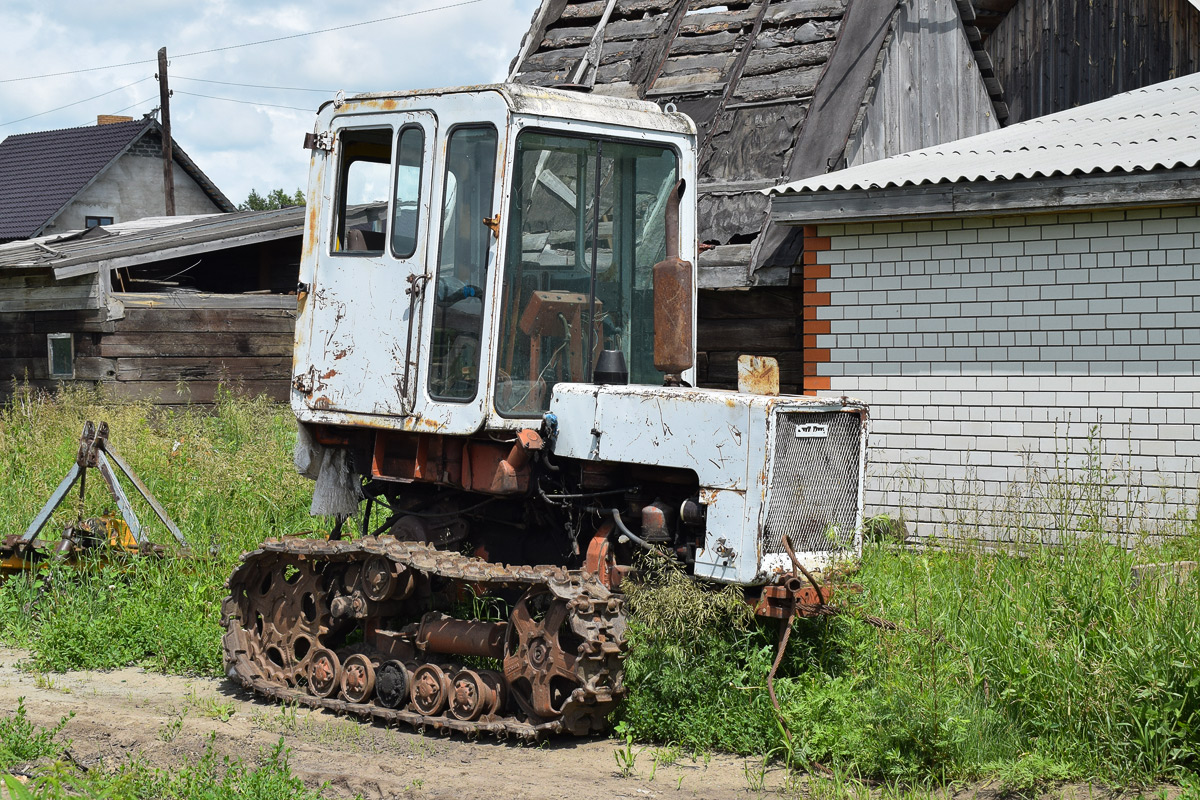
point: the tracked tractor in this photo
(494, 380)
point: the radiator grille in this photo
(813, 495)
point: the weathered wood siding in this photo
(167, 349)
(23, 349)
(928, 89)
(763, 321)
(36, 290)
(1055, 54)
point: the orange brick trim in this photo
(810, 326)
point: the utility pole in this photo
(164, 100)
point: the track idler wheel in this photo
(430, 689)
(324, 673)
(358, 678)
(392, 684)
(541, 653)
(477, 694)
(383, 579)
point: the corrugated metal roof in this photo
(149, 239)
(1157, 127)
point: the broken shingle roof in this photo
(41, 172)
(744, 70)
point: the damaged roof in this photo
(776, 88)
(41, 172)
(151, 239)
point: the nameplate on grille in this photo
(812, 430)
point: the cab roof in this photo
(545, 102)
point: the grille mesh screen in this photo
(813, 495)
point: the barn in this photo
(163, 309)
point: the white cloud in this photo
(242, 146)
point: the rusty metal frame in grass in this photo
(95, 452)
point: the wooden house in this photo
(97, 175)
(162, 309)
(1051, 55)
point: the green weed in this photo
(1030, 669)
(626, 755)
(22, 741)
(210, 777)
(210, 706)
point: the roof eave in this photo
(988, 198)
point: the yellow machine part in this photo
(117, 533)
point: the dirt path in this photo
(168, 719)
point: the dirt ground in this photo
(168, 720)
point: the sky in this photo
(253, 143)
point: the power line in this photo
(77, 102)
(243, 102)
(131, 105)
(246, 44)
(260, 86)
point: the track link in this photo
(290, 580)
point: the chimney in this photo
(111, 119)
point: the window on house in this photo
(60, 348)
(95, 222)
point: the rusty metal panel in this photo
(758, 375)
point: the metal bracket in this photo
(318, 141)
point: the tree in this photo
(276, 198)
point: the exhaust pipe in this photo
(673, 293)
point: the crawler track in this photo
(562, 650)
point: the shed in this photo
(779, 90)
(161, 309)
(75, 178)
(1017, 304)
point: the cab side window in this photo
(364, 175)
(410, 151)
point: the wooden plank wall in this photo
(1052, 55)
(36, 290)
(168, 352)
(23, 349)
(761, 321)
(928, 91)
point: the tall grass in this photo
(1054, 662)
(1041, 663)
(223, 474)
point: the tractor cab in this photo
(468, 249)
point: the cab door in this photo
(367, 285)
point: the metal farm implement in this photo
(106, 535)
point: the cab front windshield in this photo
(586, 226)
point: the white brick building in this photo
(1010, 303)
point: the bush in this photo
(21, 741)
(1000, 663)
